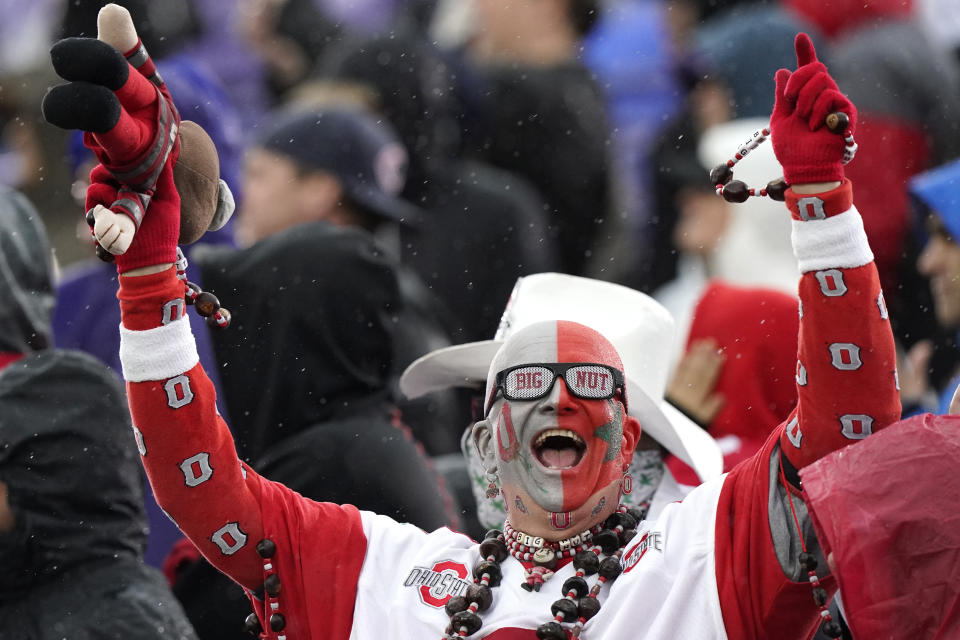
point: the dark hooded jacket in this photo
(549, 124)
(483, 227)
(305, 368)
(73, 563)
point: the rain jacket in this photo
(896, 563)
(73, 563)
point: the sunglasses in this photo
(589, 381)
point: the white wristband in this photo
(158, 354)
(835, 242)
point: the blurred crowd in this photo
(422, 156)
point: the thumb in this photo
(115, 27)
(805, 51)
(919, 356)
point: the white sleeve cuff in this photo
(158, 354)
(835, 242)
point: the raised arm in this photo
(846, 367)
(846, 373)
(185, 445)
(116, 96)
(846, 377)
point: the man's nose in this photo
(559, 400)
(929, 257)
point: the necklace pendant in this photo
(545, 557)
(544, 562)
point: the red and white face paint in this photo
(559, 450)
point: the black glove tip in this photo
(90, 60)
(81, 105)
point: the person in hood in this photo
(340, 165)
(72, 522)
(471, 209)
(735, 377)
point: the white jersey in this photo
(667, 590)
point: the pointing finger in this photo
(805, 51)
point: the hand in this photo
(113, 231)
(131, 125)
(691, 389)
(913, 367)
(806, 148)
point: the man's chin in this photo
(551, 521)
(949, 319)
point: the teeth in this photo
(565, 433)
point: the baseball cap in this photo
(363, 153)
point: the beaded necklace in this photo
(808, 562)
(206, 304)
(579, 601)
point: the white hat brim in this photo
(466, 365)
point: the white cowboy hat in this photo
(637, 325)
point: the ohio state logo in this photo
(649, 540)
(438, 584)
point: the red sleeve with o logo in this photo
(846, 365)
(847, 390)
(221, 504)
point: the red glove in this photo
(131, 125)
(805, 147)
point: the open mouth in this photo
(559, 448)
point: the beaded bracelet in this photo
(737, 191)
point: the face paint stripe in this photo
(509, 452)
(578, 343)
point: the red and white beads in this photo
(736, 191)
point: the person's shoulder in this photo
(63, 364)
(702, 495)
(58, 391)
(500, 190)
